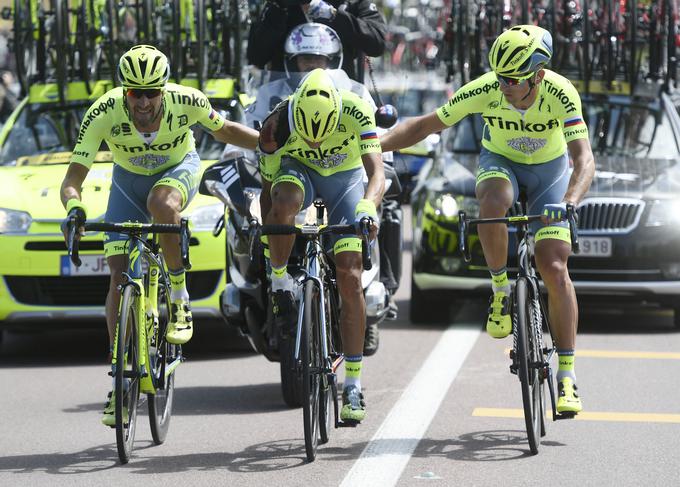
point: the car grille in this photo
(90, 290)
(607, 215)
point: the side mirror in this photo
(386, 116)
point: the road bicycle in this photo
(318, 348)
(143, 360)
(532, 351)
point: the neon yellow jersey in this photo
(108, 119)
(538, 135)
(355, 136)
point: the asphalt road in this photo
(442, 410)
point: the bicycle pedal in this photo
(348, 423)
(566, 415)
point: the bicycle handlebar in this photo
(362, 229)
(129, 228)
(464, 224)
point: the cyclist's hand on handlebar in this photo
(366, 209)
(76, 210)
(554, 212)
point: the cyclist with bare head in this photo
(146, 124)
(533, 124)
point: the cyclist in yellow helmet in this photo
(322, 141)
(533, 123)
(146, 124)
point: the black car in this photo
(629, 222)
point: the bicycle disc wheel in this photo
(528, 371)
(311, 367)
(161, 355)
(126, 386)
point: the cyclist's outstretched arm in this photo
(584, 170)
(72, 184)
(376, 177)
(237, 134)
(411, 131)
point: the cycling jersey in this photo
(355, 136)
(533, 136)
(108, 119)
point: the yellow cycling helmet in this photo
(520, 51)
(143, 67)
(316, 106)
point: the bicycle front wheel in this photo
(126, 384)
(530, 358)
(310, 355)
(163, 358)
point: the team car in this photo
(37, 280)
(629, 221)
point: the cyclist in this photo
(147, 126)
(533, 122)
(322, 141)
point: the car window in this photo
(40, 131)
(630, 129)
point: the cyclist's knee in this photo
(164, 203)
(553, 272)
(494, 203)
(286, 200)
(348, 271)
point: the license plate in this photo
(92, 265)
(595, 247)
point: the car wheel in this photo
(431, 306)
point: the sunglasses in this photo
(508, 81)
(138, 93)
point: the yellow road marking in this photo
(586, 416)
(624, 354)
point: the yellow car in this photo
(37, 280)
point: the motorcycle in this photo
(235, 181)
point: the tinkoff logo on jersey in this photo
(153, 147)
(363, 119)
(520, 125)
(526, 145)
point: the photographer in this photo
(358, 23)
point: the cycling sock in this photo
(279, 272)
(499, 281)
(178, 285)
(353, 371)
(566, 361)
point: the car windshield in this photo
(45, 129)
(616, 126)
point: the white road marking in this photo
(387, 454)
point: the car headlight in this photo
(13, 221)
(204, 218)
(664, 213)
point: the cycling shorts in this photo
(340, 192)
(543, 183)
(129, 194)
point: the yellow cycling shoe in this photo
(109, 415)
(180, 328)
(499, 322)
(568, 400)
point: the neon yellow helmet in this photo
(316, 106)
(143, 67)
(520, 51)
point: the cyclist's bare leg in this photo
(165, 203)
(353, 312)
(551, 261)
(117, 265)
(495, 196)
(287, 199)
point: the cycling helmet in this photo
(143, 67)
(520, 51)
(316, 39)
(315, 107)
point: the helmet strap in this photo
(532, 85)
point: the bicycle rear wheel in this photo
(161, 355)
(126, 384)
(529, 355)
(310, 355)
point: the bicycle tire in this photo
(61, 47)
(310, 353)
(161, 353)
(24, 44)
(328, 388)
(126, 369)
(291, 380)
(528, 374)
